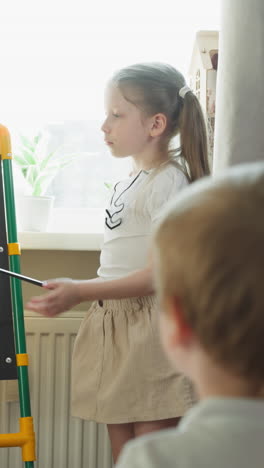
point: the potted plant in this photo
(39, 168)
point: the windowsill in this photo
(68, 230)
(60, 240)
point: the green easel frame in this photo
(26, 437)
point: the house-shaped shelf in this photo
(203, 74)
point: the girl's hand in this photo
(63, 295)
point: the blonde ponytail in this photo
(193, 137)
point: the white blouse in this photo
(136, 205)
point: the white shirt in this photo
(216, 433)
(135, 206)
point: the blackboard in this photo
(8, 368)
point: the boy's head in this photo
(209, 254)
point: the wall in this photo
(47, 264)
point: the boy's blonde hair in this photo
(210, 254)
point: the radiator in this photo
(62, 441)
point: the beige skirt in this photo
(120, 373)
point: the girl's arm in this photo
(134, 285)
(66, 293)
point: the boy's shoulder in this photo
(167, 448)
(218, 432)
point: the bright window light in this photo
(56, 57)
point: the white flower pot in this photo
(33, 213)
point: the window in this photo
(56, 58)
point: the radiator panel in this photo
(62, 441)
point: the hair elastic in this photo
(184, 90)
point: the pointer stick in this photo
(22, 277)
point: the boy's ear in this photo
(180, 331)
(158, 124)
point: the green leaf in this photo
(31, 175)
(46, 160)
(108, 186)
(20, 161)
(39, 170)
(29, 157)
(24, 172)
(37, 192)
(27, 143)
(36, 139)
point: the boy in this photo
(209, 256)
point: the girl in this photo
(120, 375)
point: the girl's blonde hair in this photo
(154, 88)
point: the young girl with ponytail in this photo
(120, 375)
